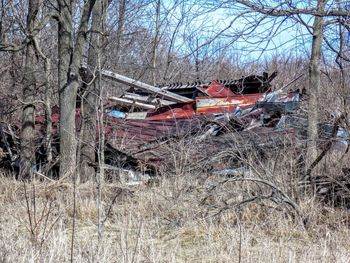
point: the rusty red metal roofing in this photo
(147, 130)
(176, 111)
(206, 105)
(217, 90)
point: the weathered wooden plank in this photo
(140, 85)
(147, 99)
(136, 116)
(123, 101)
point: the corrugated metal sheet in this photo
(177, 111)
(221, 105)
(148, 130)
(217, 90)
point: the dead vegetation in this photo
(260, 213)
(232, 162)
(216, 188)
(230, 188)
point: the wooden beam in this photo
(140, 85)
(136, 116)
(140, 98)
(123, 101)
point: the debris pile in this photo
(217, 121)
(223, 121)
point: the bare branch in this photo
(276, 11)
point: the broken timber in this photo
(124, 101)
(140, 85)
(140, 98)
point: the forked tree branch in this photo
(277, 11)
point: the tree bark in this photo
(155, 44)
(27, 132)
(121, 20)
(47, 102)
(90, 98)
(66, 93)
(314, 84)
(69, 64)
(2, 20)
(48, 97)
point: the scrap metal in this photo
(212, 118)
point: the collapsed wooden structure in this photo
(239, 116)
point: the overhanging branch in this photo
(276, 11)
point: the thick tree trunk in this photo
(29, 81)
(69, 64)
(88, 134)
(90, 98)
(314, 85)
(66, 93)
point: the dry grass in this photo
(175, 221)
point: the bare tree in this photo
(324, 13)
(155, 42)
(120, 26)
(29, 90)
(70, 52)
(32, 78)
(90, 98)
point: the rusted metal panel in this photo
(147, 130)
(177, 111)
(129, 136)
(222, 105)
(245, 85)
(217, 90)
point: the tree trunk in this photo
(47, 102)
(90, 97)
(48, 97)
(69, 64)
(339, 61)
(2, 20)
(66, 93)
(155, 44)
(314, 85)
(29, 81)
(121, 19)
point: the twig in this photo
(291, 82)
(110, 206)
(326, 149)
(43, 176)
(32, 102)
(284, 197)
(73, 223)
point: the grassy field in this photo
(179, 219)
